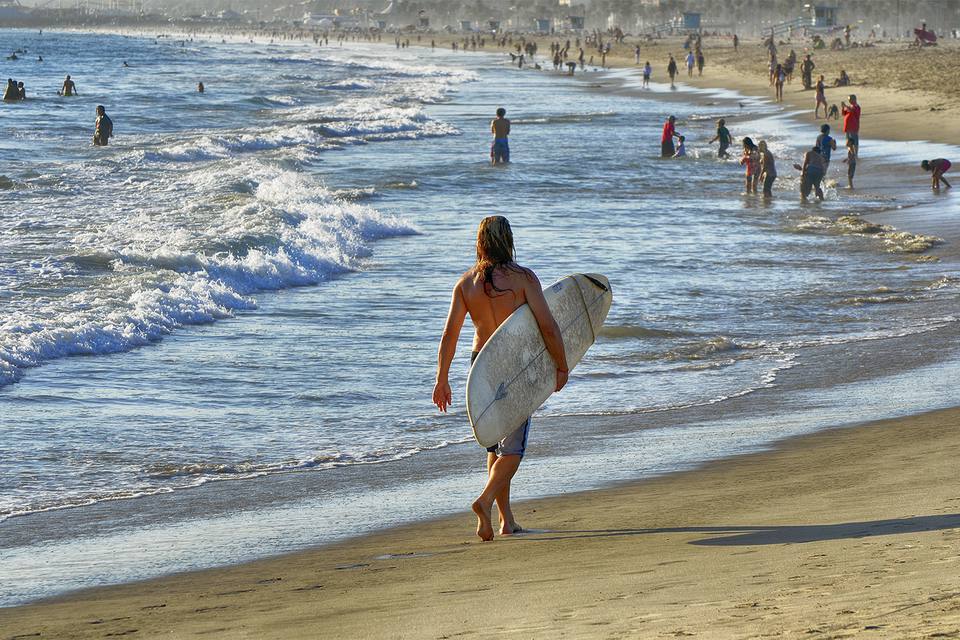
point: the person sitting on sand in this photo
(500, 128)
(723, 137)
(490, 291)
(750, 160)
(69, 88)
(666, 140)
(843, 80)
(939, 167)
(811, 173)
(681, 148)
(103, 128)
(768, 168)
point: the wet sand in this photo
(843, 532)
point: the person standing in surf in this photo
(490, 291)
(500, 128)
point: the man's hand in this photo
(562, 377)
(442, 396)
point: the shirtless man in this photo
(68, 88)
(490, 291)
(103, 128)
(500, 128)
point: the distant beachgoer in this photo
(672, 70)
(843, 80)
(666, 140)
(39, 58)
(939, 167)
(500, 127)
(69, 88)
(125, 64)
(768, 168)
(806, 71)
(636, 54)
(821, 99)
(851, 161)
(736, 42)
(750, 160)
(200, 87)
(681, 148)
(723, 137)
(700, 62)
(811, 173)
(826, 144)
(103, 128)
(851, 120)
(489, 292)
(779, 75)
(647, 72)
(691, 61)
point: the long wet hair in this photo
(495, 249)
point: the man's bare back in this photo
(500, 127)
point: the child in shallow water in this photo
(851, 161)
(681, 148)
(939, 167)
(751, 161)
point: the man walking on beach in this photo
(490, 291)
(851, 121)
(672, 71)
(500, 127)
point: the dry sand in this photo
(843, 533)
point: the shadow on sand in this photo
(773, 534)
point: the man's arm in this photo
(493, 127)
(549, 328)
(442, 396)
(507, 132)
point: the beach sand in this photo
(844, 532)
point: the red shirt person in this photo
(851, 120)
(666, 140)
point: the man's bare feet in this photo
(512, 528)
(484, 527)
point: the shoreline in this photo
(389, 532)
(812, 537)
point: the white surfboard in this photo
(514, 374)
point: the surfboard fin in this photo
(599, 284)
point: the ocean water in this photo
(218, 335)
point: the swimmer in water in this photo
(500, 127)
(103, 129)
(199, 87)
(69, 88)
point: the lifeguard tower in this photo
(824, 17)
(691, 22)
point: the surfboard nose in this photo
(599, 281)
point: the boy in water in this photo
(827, 145)
(490, 291)
(723, 136)
(500, 127)
(851, 161)
(681, 148)
(939, 167)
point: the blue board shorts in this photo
(500, 150)
(515, 443)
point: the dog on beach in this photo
(834, 113)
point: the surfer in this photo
(500, 128)
(490, 291)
